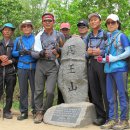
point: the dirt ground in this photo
(14, 124)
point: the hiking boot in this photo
(109, 124)
(121, 125)
(33, 113)
(22, 116)
(99, 121)
(8, 115)
(38, 117)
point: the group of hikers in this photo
(37, 60)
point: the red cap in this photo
(65, 25)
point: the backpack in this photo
(118, 48)
(51, 45)
(20, 43)
(104, 37)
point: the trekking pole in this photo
(3, 91)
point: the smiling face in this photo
(83, 30)
(95, 22)
(7, 32)
(47, 23)
(26, 29)
(112, 25)
(65, 31)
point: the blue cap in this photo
(9, 25)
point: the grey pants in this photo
(45, 77)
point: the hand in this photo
(110, 58)
(22, 52)
(6, 63)
(25, 52)
(42, 53)
(4, 58)
(90, 51)
(96, 51)
(54, 51)
(28, 52)
(99, 59)
(107, 59)
(48, 53)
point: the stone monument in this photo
(72, 77)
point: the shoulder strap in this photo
(104, 35)
(88, 39)
(58, 36)
(110, 45)
(19, 44)
(118, 40)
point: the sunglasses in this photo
(112, 23)
(64, 29)
(26, 26)
(45, 21)
(81, 27)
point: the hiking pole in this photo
(3, 90)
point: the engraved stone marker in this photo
(72, 77)
(71, 115)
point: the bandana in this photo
(48, 17)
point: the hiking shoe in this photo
(109, 124)
(22, 116)
(99, 121)
(39, 117)
(121, 125)
(33, 113)
(8, 115)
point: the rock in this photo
(71, 115)
(72, 77)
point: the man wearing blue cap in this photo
(7, 68)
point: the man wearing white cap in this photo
(96, 76)
(26, 66)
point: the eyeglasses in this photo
(64, 29)
(26, 26)
(81, 27)
(112, 23)
(49, 21)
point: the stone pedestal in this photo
(71, 115)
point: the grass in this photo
(15, 105)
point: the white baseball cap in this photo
(113, 17)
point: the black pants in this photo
(97, 82)
(25, 75)
(8, 87)
(60, 97)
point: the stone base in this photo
(71, 115)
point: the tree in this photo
(74, 10)
(71, 11)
